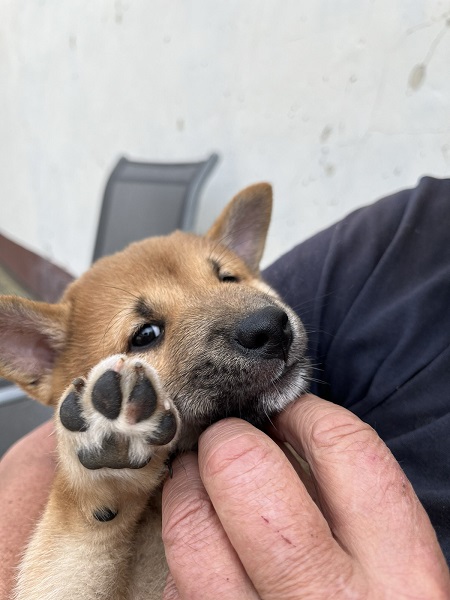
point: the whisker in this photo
(115, 287)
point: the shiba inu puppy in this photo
(142, 353)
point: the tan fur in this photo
(175, 280)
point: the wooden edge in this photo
(41, 277)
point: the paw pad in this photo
(107, 395)
(142, 400)
(120, 413)
(70, 410)
(166, 431)
(113, 454)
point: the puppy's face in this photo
(194, 307)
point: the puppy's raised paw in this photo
(119, 416)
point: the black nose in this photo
(265, 333)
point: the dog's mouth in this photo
(284, 389)
(255, 403)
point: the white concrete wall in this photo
(336, 102)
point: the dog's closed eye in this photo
(223, 275)
(145, 336)
(227, 278)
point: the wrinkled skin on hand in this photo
(244, 520)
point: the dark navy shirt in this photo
(374, 294)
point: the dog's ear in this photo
(32, 334)
(244, 222)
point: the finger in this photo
(26, 475)
(301, 467)
(368, 501)
(201, 559)
(278, 532)
(170, 590)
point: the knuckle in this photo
(338, 430)
(321, 573)
(170, 591)
(188, 521)
(244, 454)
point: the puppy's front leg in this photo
(114, 434)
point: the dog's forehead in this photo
(166, 259)
(162, 266)
(176, 258)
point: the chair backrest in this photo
(18, 414)
(142, 199)
(9, 392)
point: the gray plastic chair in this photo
(142, 199)
(18, 414)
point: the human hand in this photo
(26, 475)
(241, 524)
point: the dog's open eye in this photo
(145, 336)
(227, 278)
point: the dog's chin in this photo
(257, 409)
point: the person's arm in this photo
(26, 474)
(241, 524)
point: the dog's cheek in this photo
(214, 385)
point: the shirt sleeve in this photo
(374, 294)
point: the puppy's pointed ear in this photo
(32, 334)
(244, 222)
